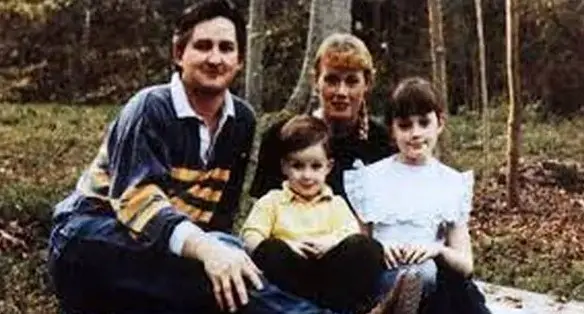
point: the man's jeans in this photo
(97, 267)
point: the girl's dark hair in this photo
(303, 131)
(413, 96)
(203, 10)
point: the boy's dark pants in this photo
(343, 279)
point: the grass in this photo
(45, 147)
(556, 138)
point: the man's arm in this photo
(138, 167)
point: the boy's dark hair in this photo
(203, 10)
(413, 96)
(303, 131)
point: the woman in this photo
(343, 74)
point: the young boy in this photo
(305, 239)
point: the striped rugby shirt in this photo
(149, 171)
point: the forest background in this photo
(66, 66)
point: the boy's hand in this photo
(321, 245)
(302, 248)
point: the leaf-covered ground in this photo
(538, 246)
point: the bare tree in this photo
(254, 55)
(438, 49)
(77, 64)
(438, 55)
(326, 17)
(483, 78)
(514, 121)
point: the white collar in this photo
(182, 106)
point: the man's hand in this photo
(226, 268)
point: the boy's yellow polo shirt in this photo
(284, 215)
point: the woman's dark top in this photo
(345, 151)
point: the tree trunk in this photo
(254, 55)
(438, 50)
(142, 46)
(438, 55)
(514, 121)
(326, 17)
(484, 93)
(78, 59)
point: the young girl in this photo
(303, 237)
(416, 206)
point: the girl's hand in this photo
(416, 254)
(302, 248)
(393, 256)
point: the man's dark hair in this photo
(303, 131)
(203, 10)
(412, 97)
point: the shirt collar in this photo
(290, 196)
(182, 106)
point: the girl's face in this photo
(341, 92)
(416, 136)
(306, 170)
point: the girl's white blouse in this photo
(409, 204)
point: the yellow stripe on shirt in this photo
(190, 175)
(195, 214)
(206, 194)
(136, 199)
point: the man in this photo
(133, 236)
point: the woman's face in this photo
(341, 92)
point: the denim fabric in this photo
(97, 267)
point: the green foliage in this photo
(48, 51)
(558, 138)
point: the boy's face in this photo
(416, 136)
(210, 59)
(306, 170)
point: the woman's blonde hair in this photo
(345, 50)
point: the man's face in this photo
(210, 59)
